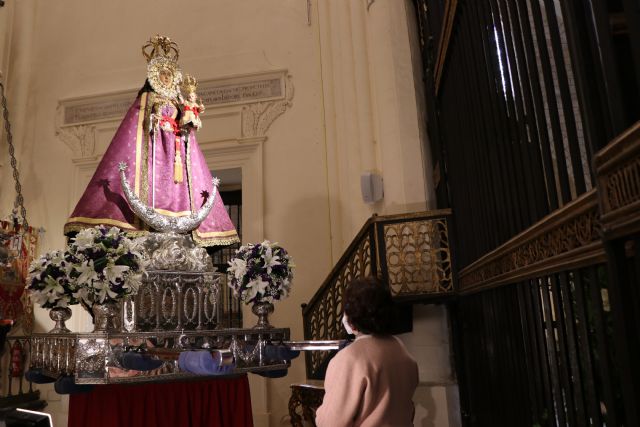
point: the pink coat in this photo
(369, 383)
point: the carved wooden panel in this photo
(618, 171)
(417, 257)
(305, 399)
(568, 237)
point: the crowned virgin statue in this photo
(166, 171)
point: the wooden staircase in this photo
(411, 252)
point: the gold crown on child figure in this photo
(160, 46)
(190, 84)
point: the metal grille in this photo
(551, 335)
(521, 108)
(231, 308)
(16, 389)
(522, 96)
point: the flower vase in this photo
(107, 317)
(60, 315)
(262, 309)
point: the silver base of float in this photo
(175, 310)
(95, 358)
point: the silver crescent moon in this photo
(164, 223)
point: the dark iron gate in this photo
(532, 105)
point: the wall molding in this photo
(259, 98)
(566, 238)
(451, 7)
(258, 117)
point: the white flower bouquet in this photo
(50, 283)
(260, 272)
(107, 265)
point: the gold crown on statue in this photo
(190, 83)
(160, 46)
(162, 59)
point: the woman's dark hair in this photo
(145, 88)
(368, 306)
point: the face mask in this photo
(346, 325)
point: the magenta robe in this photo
(103, 201)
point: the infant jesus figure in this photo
(192, 106)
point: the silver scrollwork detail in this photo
(164, 223)
(174, 252)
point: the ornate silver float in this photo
(175, 310)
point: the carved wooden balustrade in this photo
(305, 400)
(409, 251)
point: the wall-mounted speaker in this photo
(371, 187)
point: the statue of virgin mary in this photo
(166, 168)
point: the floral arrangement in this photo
(108, 265)
(100, 265)
(50, 283)
(260, 272)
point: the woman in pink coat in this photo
(371, 382)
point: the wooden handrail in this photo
(341, 262)
(568, 237)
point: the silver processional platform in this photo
(176, 310)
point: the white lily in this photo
(112, 272)
(270, 260)
(238, 267)
(87, 272)
(104, 290)
(52, 296)
(52, 285)
(256, 286)
(57, 257)
(63, 301)
(113, 232)
(83, 294)
(133, 282)
(84, 239)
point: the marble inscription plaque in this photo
(246, 89)
(250, 91)
(97, 110)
